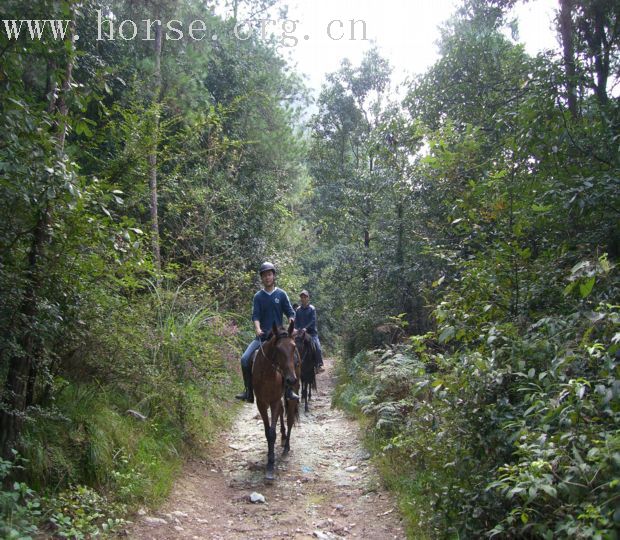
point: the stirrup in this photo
(289, 394)
(246, 396)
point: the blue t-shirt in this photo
(269, 308)
(305, 317)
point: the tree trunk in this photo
(368, 212)
(400, 257)
(400, 237)
(566, 32)
(600, 47)
(152, 159)
(22, 366)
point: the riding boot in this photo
(248, 384)
(248, 393)
(289, 394)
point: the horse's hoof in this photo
(269, 475)
(286, 450)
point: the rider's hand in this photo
(259, 332)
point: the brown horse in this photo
(274, 365)
(307, 353)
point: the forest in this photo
(460, 239)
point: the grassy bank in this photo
(113, 439)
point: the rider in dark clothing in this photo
(305, 319)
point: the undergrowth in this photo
(512, 433)
(111, 441)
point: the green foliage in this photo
(500, 417)
(177, 362)
(495, 445)
(88, 329)
(20, 507)
(563, 482)
(479, 215)
(165, 359)
(81, 512)
(355, 216)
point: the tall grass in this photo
(165, 356)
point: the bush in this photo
(514, 432)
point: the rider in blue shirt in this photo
(305, 319)
(269, 305)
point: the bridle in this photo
(272, 360)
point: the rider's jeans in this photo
(246, 357)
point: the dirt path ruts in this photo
(325, 488)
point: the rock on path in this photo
(325, 488)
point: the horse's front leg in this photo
(264, 412)
(270, 432)
(292, 412)
(282, 426)
(304, 393)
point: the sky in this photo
(405, 32)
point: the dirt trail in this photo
(325, 488)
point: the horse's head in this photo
(302, 340)
(283, 346)
(302, 335)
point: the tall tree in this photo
(152, 158)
